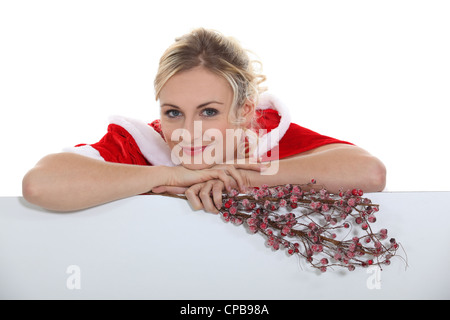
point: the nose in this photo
(192, 131)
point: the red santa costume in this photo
(131, 141)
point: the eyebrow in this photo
(198, 107)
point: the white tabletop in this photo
(154, 247)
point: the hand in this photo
(206, 196)
(229, 174)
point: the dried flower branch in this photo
(313, 223)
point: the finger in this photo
(169, 189)
(205, 197)
(192, 196)
(233, 172)
(225, 178)
(217, 193)
(159, 189)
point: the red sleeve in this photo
(298, 139)
(119, 146)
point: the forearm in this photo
(336, 168)
(67, 182)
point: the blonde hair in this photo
(221, 55)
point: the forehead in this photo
(194, 87)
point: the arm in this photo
(67, 181)
(336, 166)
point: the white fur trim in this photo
(152, 145)
(270, 140)
(86, 151)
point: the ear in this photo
(248, 112)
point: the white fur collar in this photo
(270, 140)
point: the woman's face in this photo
(194, 118)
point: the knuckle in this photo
(204, 194)
(189, 193)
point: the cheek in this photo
(167, 132)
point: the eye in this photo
(209, 112)
(173, 113)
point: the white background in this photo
(376, 73)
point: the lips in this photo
(191, 151)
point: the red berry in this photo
(324, 261)
(286, 229)
(315, 205)
(351, 202)
(352, 247)
(228, 203)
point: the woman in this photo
(217, 131)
